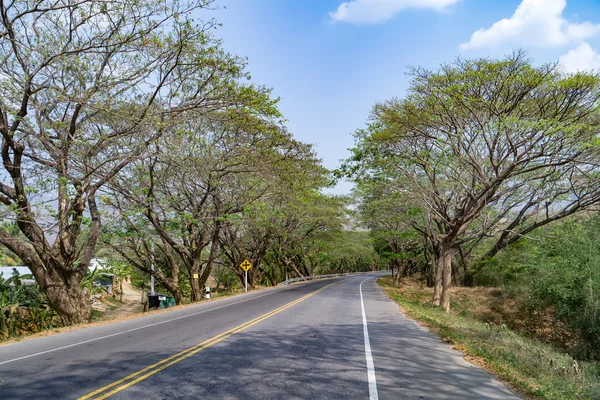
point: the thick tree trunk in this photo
(196, 291)
(61, 286)
(446, 258)
(430, 268)
(179, 300)
(171, 285)
(70, 302)
(399, 270)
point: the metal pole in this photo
(246, 274)
(152, 267)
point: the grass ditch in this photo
(534, 369)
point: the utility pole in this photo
(152, 268)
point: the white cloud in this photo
(582, 58)
(373, 11)
(536, 23)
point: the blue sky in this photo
(330, 61)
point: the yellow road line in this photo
(182, 355)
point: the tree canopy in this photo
(486, 149)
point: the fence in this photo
(310, 278)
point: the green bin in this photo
(169, 302)
(165, 301)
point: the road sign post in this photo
(246, 265)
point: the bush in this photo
(567, 279)
(224, 277)
(557, 271)
(23, 308)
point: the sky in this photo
(330, 61)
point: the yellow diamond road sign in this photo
(246, 265)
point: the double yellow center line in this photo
(142, 374)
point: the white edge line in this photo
(368, 356)
(139, 327)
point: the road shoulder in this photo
(522, 363)
(412, 362)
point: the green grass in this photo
(533, 368)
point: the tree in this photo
(478, 141)
(390, 216)
(201, 176)
(300, 225)
(121, 271)
(87, 85)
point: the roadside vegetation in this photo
(534, 368)
(23, 308)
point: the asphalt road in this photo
(304, 341)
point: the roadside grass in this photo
(534, 369)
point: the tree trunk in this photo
(469, 279)
(60, 284)
(437, 286)
(403, 269)
(431, 265)
(171, 285)
(457, 279)
(446, 258)
(70, 302)
(196, 291)
(399, 270)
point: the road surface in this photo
(332, 339)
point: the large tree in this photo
(86, 86)
(201, 176)
(480, 142)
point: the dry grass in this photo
(535, 369)
(493, 306)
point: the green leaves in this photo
(23, 307)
